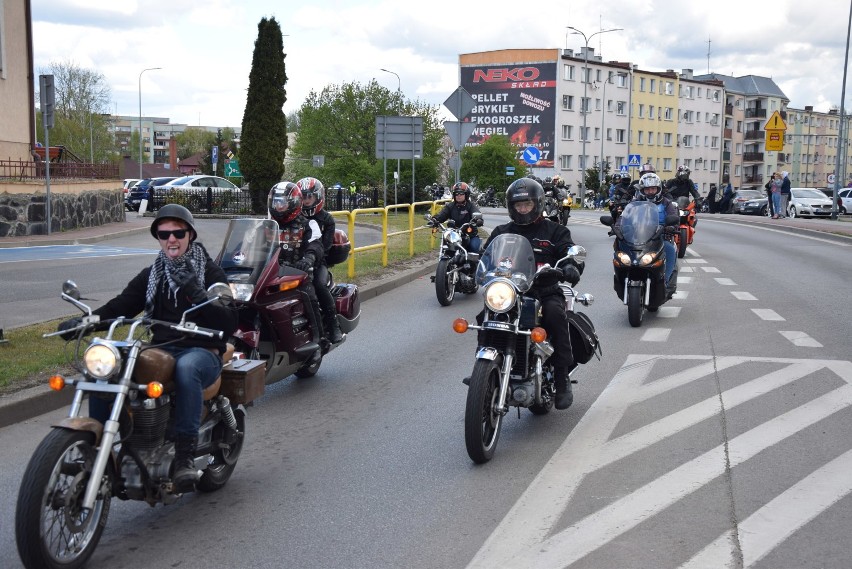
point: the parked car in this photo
(809, 202)
(755, 206)
(846, 196)
(137, 193)
(192, 190)
(128, 183)
(743, 196)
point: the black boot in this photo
(564, 395)
(332, 330)
(185, 474)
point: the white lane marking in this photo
(696, 261)
(691, 251)
(656, 335)
(521, 537)
(793, 233)
(680, 295)
(668, 312)
(770, 525)
(801, 339)
(725, 282)
(683, 280)
(739, 295)
(686, 270)
(767, 314)
(710, 270)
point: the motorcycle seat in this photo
(155, 364)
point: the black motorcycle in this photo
(456, 262)
(512, 367)
(640, 259)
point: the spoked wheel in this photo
(481, 420)
(682, 242)
(224, 460)
(635, 310)
(445, 282)
(51, 527)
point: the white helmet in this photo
(649, 181)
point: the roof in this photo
(749, 85)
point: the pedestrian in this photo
(775, 188)
(727, 197)
(770, 207)
(785, 193)
(711, 199)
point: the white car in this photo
(194, 189)
(846, 196)
(808, 202)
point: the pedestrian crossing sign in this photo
(624, 168)
(633, 160)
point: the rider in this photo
(682, 186)
(651, 189)
(176, 281)
(550, 241)
(301, 240)
(622, 194)
(461, 210)
(313, 200)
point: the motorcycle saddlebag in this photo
(243, 381)
(340, 248)
(584, 339)
(346, 300)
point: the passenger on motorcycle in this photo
(301, 238)
(550, 241)
(313, 201)
(176, 281)
(460, 210)
(651, 189)
(682, 186)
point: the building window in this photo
(714, 142)
(651, 112)
(669, 88)
(620, 107)
(650, 138)
(567, 131)
(653, 85)
(609, 134)
(737, 170)
(597, 104)
(687, 140)
(641, 111)
(667, 164)
(619, 135)
(568, 102)
(587, 73)
(739, 148)
(669, 113)
(565, 162)
(622, 80)
(714, 165)
(597, 133)
(639, 137)
(568, 72)
(585, 105)
(642, 84)
(667, 139)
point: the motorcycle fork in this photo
(508, 360)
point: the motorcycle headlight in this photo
(242, 292)
(647, 259)
(623, 258)
(102, 361)
(566, 202)
(500, 296)
(452, 238)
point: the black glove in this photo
(571, 274)
(580, 265)
(431, 222)
(479, 222)
(67, 325)
(548, 277)
(306, 263)
(188, 285)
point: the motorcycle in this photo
(456, 263)
(512, 367)
(557, 207)
(686, 229)
(276, 321)
(64, 499)
(639, 259)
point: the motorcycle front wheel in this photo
(224, 460)
(445, 283)
(52, 529)
(482, 421)
(635, 310)
(682, 243)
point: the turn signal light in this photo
(460, 325)
(288, 285)
(154, 389)
(56, 382)
(538, 335)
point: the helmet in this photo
(682, 172)
(548, 183)
(522, 190)
(648, 181)
(461, 188)
(284, 202)
(646, 168)
(625, 180)
(616, 178)
(174, 211)
(312, 188)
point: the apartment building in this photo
(17, 86)
(699, 139)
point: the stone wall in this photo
(24, 214)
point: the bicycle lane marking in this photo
(521, 538)
(63, 252)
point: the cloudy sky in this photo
(205, 48)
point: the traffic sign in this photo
(774, 140)
(775, 122)
(831, 178)
(532, 155)
(460, 103)
(232, 169)
(215, 153)
(634, 160)
(510, 170)
(459, 132)
(624, 168)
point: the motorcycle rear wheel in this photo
(51, 528)
(445, 284)
(217, 473)
(682, 243)
(635, 309)
(481, 420)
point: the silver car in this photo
(808, 202)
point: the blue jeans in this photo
(475, 244)
(195, 370)
(671, 258)
(776, 203)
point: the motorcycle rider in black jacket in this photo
(550, 242)
(313, 202)
(682, 186)
(461, 210)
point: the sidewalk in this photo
(133, 224)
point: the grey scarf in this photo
(195, 256)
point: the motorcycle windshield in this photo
(639, 222)
(248, 246)
(508, 256)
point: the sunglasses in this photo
(178, 233)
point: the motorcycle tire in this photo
(682, 243)
(481, 422)
(311, 368)
(635, 308)
(445, 284)
(51, 530)
(219, 470)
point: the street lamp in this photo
(603, 117)
(399, 92)
(585, 87)
(140, 117)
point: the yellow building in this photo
(17, 127)
(654, 125)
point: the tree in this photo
(81, 112)
(193, 140)
(486, 163)
(264, 128)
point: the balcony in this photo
(728, 133)
(753, 179)
(726, 155)
(729, 109)
(754, 135)
(753, 157)
(755, 113)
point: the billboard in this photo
(517, 101)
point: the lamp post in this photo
(140, 116)
(601, 176)
(585, 87)
(399, 91)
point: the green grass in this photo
(27, 357)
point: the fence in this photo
(20, 170)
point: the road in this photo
(716, 435)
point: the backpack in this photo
(584, 339)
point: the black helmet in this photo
(521, 190)
(312, 187)
(682, 173)
(284, 202)
(625, 180)
(616, 178)
(461, 188)
(174, 211)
